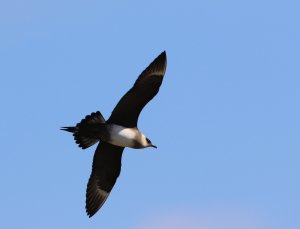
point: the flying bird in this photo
(116, 133)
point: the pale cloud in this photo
(210, 219)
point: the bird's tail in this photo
(86, 132)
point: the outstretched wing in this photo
(106, 169)
(147, 85)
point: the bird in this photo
(120, 130)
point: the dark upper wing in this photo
(106, 169)
(127, 111)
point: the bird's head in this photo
(148, 143)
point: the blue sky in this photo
(226, 120)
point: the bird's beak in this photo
(154, 146)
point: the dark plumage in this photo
(106, 169)
(119, 131)
(146, 86)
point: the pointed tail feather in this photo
(71, 129)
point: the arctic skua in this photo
(118, 132)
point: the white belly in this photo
(123, 136)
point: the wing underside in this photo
(105, 171)
(147, 85)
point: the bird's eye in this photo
(147, 139)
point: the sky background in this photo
(226, 119)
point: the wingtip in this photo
(163, 55)
(159, 65)
(89, 214)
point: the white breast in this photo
(123, 136)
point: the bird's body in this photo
(126, 137)
(118, 132)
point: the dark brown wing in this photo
(106, 169)
(147, 85)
